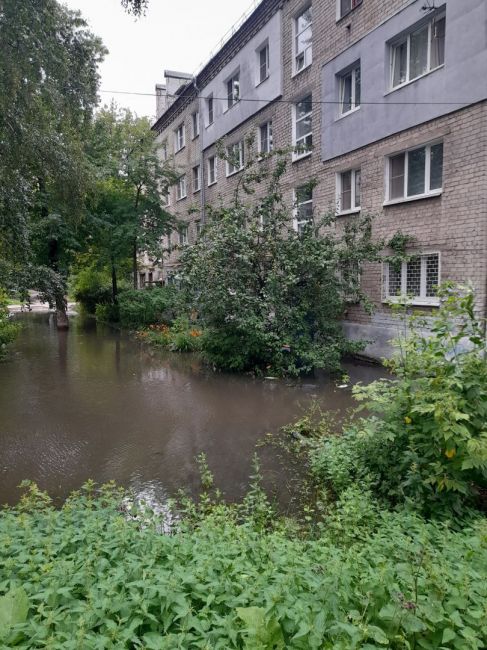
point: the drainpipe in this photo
(201, 127)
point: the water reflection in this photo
(91, 403)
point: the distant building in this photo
(388, 100)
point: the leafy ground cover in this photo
(86, 576)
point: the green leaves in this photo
(271, 299)
(261, 632)
(93, 576)
(14, 607)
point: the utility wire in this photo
(287, 101)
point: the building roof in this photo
(188, 92)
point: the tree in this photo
(135, 7)
(48, 91)
(272, 299)
(126, 206)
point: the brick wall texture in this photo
(453, 224)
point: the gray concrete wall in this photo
(461, 81)
(261, 95)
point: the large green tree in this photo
(48, 91)
(126, 205)
(272, 299)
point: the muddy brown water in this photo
(93, 403)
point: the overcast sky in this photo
(174, 34)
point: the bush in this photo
(8, 329)
(108, 313)
(426, 440)
(271, 300)
(181, 336)
(91, 288)
(89, 575)
(141, 308)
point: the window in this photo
(209, 108)
(195, 122)
(265, 138)
(350, 90)
(302, 127)
(349, 274)
(183, 236)
(181, 188)
(303, 212)
(233, 90)
(303, 40)
(198, 228)
(346, 6)
(179, 140)
(415, 173)
(166, 199)
(235, 160)
(211, 170)
(163, 151)
(348, 191)
(196, 178)
(418, 52)
(416, 279)
(263, 63)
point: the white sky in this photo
(174, 34)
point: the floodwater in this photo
(92, 403)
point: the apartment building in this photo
(385, 102)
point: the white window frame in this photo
(179, 138)
(196, 187)
(403, 298)
(406, 38)
(232, 98)
(181, 188)
(210, 102)
(307, 51)
(232, 150)
(353, 5)
(297, 155)
(270, 138)
(427, 171)
(212, 182)
(353, 72)
(297, 222)
(195, 124)
(264, 47)
(183, 236)
(355, 208)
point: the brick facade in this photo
(454, 224)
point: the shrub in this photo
(89, 575)
(91, 288)
(426, 439)
(107, 313)
(270, 299)
(8, 329)
(141, 308)
(181, 336)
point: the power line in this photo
(286, 101)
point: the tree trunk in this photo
(134, 251)
(114, 284)
(134, 263)
(62, 322)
